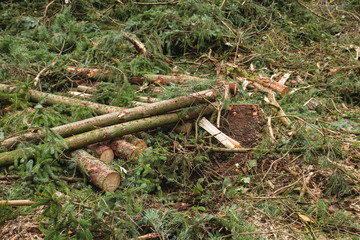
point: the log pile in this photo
(110, 133)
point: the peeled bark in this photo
(98, 172)
(118, 117)
(110, 132)
(103, 152)
(48, 98)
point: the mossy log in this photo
(48, 98)
(111, 132)
(98, 172)
(118, 117)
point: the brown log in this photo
(98, 172)
(137, 142)
(275, 86)
(125, 150)
(15, 203)
(92, 73)
(103, 152)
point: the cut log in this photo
(220, 136)
(92, 73)
(48, 98)
(110, 132)
(125, 150)
(103, 152)
(264, 85)
(98, 172)
(137, 142)
(166, 79)
(15, 203)
(117, 117)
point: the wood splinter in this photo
(220, 136)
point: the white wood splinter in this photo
(220, 136)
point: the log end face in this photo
(107, 156)
(111, 182)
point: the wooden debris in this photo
(285, 77)
(125, 150)
(165, 79)
(103, 152)
(48, 98)
(117, 117)
(110, 132)
(147, 99)
(139, 46)
(16, 203)
(137, 142)
(80, 94)
(312, 103)
(220, 136)
(98, 172)
(91, 73)
(84, 88)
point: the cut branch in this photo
(117, 117)
(107, 133)
(92, 73)
(15, 203)
(48, 98)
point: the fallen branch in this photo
(16, 203)
(48, 98)
(107, 133)
(165, 79)
(91, 73)
(117, 117)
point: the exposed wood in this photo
(125, 150)
(111, 132)
(166, 79)
(86, 89)
(147, 99)
(232, 86)
(137, 142)
(265, 84)
(285, 77)
(98, 172)
(138, 104)
(92, 73)
(117, 117)
(103, 152)
(312, 103)
(80, 94)
(48, 98)
(220, 136)
(16, 203)
(139, 46)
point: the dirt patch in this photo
(244, 123)
(23, 227)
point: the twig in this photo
(47, 6)
(316, 14)
(156, 3)
(271, 132)
(14, 203)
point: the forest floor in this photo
(287, 82)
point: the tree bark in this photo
(165, 79)
(110, 132)
(103, 152)
(125, 150)
(91, 73)
(137, 142)
(118, 117)
(99, 173)
(48, 98)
